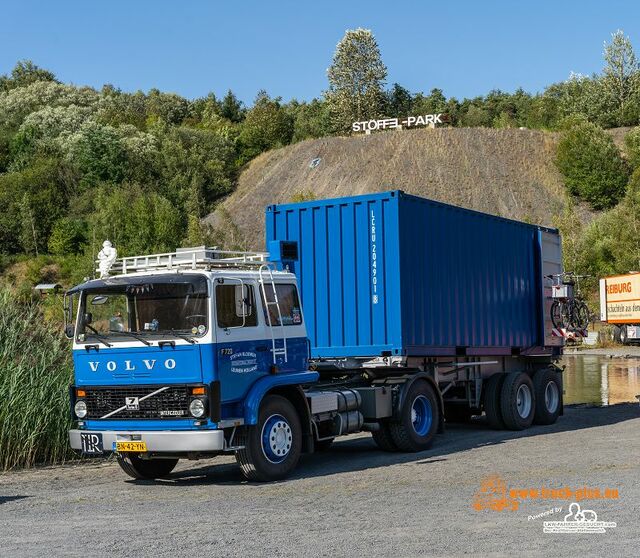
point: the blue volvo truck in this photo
(384, 313)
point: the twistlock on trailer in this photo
(383, 313)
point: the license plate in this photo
(136, 447)
(91, 443)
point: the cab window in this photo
(289, 305)
(235, 305)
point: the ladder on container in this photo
(262, 272)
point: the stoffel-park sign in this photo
(368, 126)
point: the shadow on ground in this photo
(361, 453)
(6, 499)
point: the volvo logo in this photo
(132, 403)
(128, 366)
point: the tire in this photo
(272, 447)
(548, 391)
(457, 413)
(517, 401)
(419, 419)
(581, 315)
(624, 335)
(616, 334)
(383, 438)
(140, 469)
(491, 401)
(323, 445)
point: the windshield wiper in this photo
(177, 334)
(98, 336)
(134, 335)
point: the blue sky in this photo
(192, 47)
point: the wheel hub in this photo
(523, 401)
(551, 397)
(421, 415)
(276, 438)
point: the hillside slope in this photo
(505, 172)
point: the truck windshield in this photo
(128, 311)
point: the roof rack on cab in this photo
(199, 257)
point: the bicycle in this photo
(569, 310)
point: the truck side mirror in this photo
(68, 331)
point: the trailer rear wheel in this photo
(624, 335)
(140, 469)
(383, 439)
(517, 401)
(491, 400)
(419, 419)
(272, 447)
(548, 396)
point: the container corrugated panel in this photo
(394, 274)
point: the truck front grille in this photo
(170, 403)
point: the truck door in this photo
(243, 350)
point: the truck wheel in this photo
(517, 401)
(419, 419)
(323, 445)
(624, 335)
(548, 396)
(138, 468)
(491, 401)
(272, 447)
(383, 439)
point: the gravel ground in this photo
(352, 500)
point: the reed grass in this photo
(35, 373)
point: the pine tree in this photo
(356, 80)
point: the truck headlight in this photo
(196, 408)
(80, 409)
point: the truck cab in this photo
(174, 353)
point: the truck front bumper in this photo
(157, 441)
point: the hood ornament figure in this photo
(106, 257)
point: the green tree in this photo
(611, 243)
(24, 73)
(67, 236)
(399, 101)
(621, 78)
(231, 108)
(356, 80)
(267, 125)
(311, 120)
(31, 200)
(591, 165)
(136, 221)
(632, 147)
(97, 152)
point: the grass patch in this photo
(35, 373)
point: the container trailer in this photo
(384, 313)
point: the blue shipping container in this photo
(395, 274)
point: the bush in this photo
(632, 147)
(67, 236)
(35, 373)
(591, 165)
(610, 245)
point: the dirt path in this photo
(352, 500)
